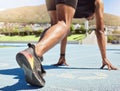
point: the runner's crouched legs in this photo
(29, 59)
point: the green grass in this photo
(34, 38)
(5, 46)
(2, 46)
(76, 37)
(18, 38)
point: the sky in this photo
(110, 6)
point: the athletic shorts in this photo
(51, 4)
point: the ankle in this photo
(38, 52)
(62, 55)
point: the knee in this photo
(99, 32)
(64, 24)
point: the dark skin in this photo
(99, 33)
(56, 32)
(54, 20)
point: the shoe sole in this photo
(31, 75)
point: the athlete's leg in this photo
(62, 60)
(58, 31)
(53, 19)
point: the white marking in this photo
(66, 75)
(95, 76)
(63, 89)
(4, 65)
(76, 75)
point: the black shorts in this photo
(51, 4)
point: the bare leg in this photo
(62, 60)
(54, 19)
(58, 31)
(101, 37)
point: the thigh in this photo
(51, 5)
(65, 10)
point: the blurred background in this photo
(30, 18)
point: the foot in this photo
(61, 62)
(31, 65)
(108, 64)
